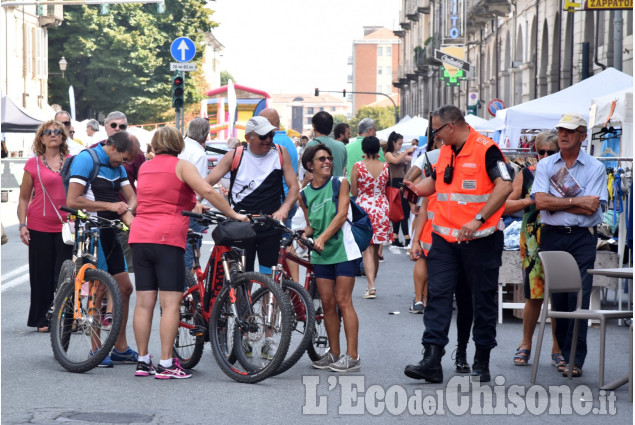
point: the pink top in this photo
(40, 215)
(161, 197)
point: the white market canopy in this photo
(545, 112)
(409, 129)
(621, 103)
(480, 124)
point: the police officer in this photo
(471, 184)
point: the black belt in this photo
(568, 229)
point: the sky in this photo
(294, 46)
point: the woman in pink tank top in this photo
(165, 187)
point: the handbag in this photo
(68, 236)
(233, 233)
(395, 211)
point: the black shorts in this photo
(267, 246)
(158, 267)
(112, 252)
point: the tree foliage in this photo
(121, 61)
(383, 117)
(225, 76)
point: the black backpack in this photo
(66, 170)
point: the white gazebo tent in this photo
(545, 112)
(410, 129)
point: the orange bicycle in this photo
(87, 309)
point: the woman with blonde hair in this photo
(41, 194)
(165, 187)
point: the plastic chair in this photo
(562, 275)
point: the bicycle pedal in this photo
(197, 331)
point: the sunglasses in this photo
(48, 132)
(435, 132)
(569, 131)
(324, 158)
(121, 126)
(266, 136)
(72, 132)
(545, 151)
(66, 123)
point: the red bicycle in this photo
(249, 337)
(315, 343)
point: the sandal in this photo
(370, 293)
(521, 357)
(561, 367)
(557, 359)
(575, 373)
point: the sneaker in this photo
(381, 258)
(247, 348)
(397, 243)
(174, 371)
(268, 350)
(145, 369)
(129, 356)
(416, 307)
(106, 362)
(325, 361)
(346, 364)
(106, 321)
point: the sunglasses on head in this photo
(266, 136)
(546, 151)
(55, 132)
(121, 126)
(324, 158)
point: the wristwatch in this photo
(479, 217)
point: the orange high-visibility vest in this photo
(459, 201)
(426, 233)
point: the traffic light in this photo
(317, 92)
(344, 93)
(178, 91)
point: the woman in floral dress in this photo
(369, 178)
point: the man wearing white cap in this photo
(256, 185)
(568, 189)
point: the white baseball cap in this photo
(259, 125)
(571, 121)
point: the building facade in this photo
(296, 110)
(375, 60)
(518, 50)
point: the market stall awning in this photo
(15, 119)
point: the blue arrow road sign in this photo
(183, 49)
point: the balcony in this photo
(427, 55)
(480, 12)
(423, 7)
(404, 23)
(399, 33)
(50, 15)
(421, 67)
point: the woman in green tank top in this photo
(337, 254)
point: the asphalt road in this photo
(37, 390)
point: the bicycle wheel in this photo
(189, 342)
(303, 325)
(81, 344)
(320, 342)
(67, 274)
(258, 334)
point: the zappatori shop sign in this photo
(608, 4)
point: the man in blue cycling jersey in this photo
(102, 197)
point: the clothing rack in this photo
(613, 158)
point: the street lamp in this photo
(63, 65)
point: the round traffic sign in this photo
(183, 49)
(495, 105)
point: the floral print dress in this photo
(371, 196)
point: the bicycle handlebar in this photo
(295, 234)
(96, 220)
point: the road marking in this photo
(19, 270)
(15, 282)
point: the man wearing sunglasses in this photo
(570, 214)
(256, 186)
(471, 183)
(114, 122)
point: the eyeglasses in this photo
(66, 123)
(266, 136)
(54, 132)
(324, 158)
(546, 151)
(124, 160)
(121, 126)
(435, 132)
(569, 131)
